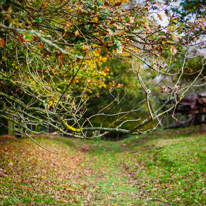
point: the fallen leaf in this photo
(64, 201)
(69, 190)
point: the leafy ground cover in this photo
(164, 168)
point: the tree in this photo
(189, 8)
(54, 54)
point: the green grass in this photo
(164, 168)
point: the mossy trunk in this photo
(11, 128)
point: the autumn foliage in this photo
(56, 57)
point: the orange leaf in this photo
(68, 24)
(2, 42)
(189, 69)
(64, 201)
(40, 45)
(61, 58)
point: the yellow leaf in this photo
(76, 33)
(159, 16)
(95, 19)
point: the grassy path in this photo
(164, 168)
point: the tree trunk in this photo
(11, 129)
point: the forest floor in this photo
(167, 167)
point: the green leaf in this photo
(78, 46)
(127, 19)
(117, 43)
(28, 37)
(106, 39)
(37, 19)
(99, 3)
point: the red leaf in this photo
(21, 39)
(106, 3)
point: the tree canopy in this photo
(61, 57)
